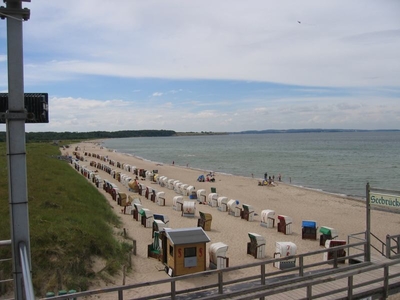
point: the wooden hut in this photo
(185, 250)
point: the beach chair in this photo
(122, 197)
(183, 188)
(147, 193)
(217, 254)
(309, 230)
(154, 250)
(161, 217)
(177, 203)
(129, 209)
(204, 221)
(256, 246)
(284, 224)
(189, 191)
(268, 218)
(153, 194)
(188, 208)
(158, 225)
(142, 189)
(212, 199)
(160, 198)
(177, 187)
(114, 192)
(136, 215)
(233, 208)
(327, 233)
(285, 249)
(201, 196)
(222, 203)
(247, 212)
(147, 217)
(170, 184)
(330, 255)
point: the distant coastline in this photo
(93, 135)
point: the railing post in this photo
(220, 283)
(301, 266)
(120, 295)
(398, 245)
(263, 274)
(262, 279)
(173, 290)
(385, 282)
(335, 259)
(309, 291)
(350, 287)
(388, 246)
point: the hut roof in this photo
(183, 236)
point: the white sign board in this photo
(384, 200)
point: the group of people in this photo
(268, 180)
(208, 178)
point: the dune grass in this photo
(71, 223)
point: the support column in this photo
(15, 128)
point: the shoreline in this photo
(350, 197)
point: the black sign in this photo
(36, 105)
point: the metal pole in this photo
(367, 254)
(15, 129)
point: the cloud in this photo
(205, 65)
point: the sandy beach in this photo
(347, 216)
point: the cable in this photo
(12, 17)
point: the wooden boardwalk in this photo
(366, 281)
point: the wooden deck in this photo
(366, 280)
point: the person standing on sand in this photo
(173, 162)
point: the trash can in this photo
(213, 190)
(50, 294)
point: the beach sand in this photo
(348, 216)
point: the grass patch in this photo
(71, 222)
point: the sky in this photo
(201, 65)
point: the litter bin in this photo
(213, 190)
(50, 294)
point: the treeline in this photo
(55, 136)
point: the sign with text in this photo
(384, 200)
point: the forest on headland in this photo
(60, 136)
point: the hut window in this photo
(190, 252)
(171, 250)
(190, 259)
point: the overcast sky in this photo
(221, 65)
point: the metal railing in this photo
(4, 281)
(25, 266)
(303, 274)
(393, 246)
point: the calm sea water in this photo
(339, 163)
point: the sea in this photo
(333, 162)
